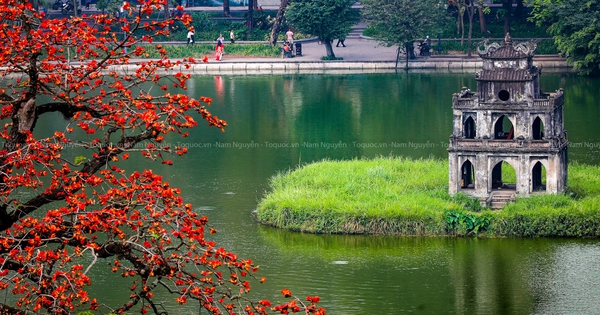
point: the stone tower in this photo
(508, 123)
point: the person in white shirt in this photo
(190, 36)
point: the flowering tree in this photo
(60, 217)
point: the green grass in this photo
(200, 50)
(410, 197)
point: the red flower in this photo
(286, 293)
(264, 303)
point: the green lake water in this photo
(279, 122)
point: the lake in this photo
(280, 122)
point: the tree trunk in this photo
(226, 11)
(460, 22)
(250, 22)
(507, 6)
(328, 48)
(482, 25)
(462, 27)
(519, 10)
(277, 22)
(471, 13)
(167, 13)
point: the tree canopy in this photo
(401, 22)
(62, 216)
(325, 19)
(574, 26)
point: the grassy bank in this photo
(410, 197)
(198, 51)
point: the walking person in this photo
(219, 49)
(190, 36)
(290, 36)
(231, 36)
(341, 41)
(220, 41)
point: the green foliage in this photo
(381, 196)
(325, 19)
(467, 203)
(257, 50)
(198, 51)
(467, 223)
(402, 196)
(547, 47)
(262, 20)
(108, 5)
(209, 25)
(399, 22)
(574, 26)
(80, 159)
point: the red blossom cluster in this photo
(60, 217)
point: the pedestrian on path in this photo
(231, 36)
(220, 48)
(340, 41)
(220, 41)
(219, 53)
(290, 36)
(190, 36)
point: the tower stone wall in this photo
(508, 123)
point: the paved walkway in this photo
(355, 50)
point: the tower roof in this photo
(507, 51)
(507, 74)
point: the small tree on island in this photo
(325, 19)
(60, 217)
(401, 22)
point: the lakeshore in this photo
(360, 55)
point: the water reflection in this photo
(382, 275)
(392, 275)
(303, 116)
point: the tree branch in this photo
(66, 109)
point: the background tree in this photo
(470, 14)
(482, 11)
(226, 10)
(61, 216)
(574, 26)
(277, 22)
(325, 19)
(519, 9)
(112, 6)
(401, 22)
(507, 8)
(461, 6)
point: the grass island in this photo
(400, 196)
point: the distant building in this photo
(508, 123)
